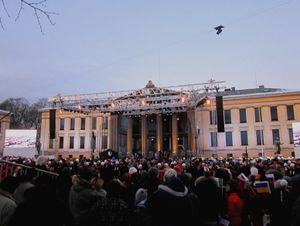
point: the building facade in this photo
(4, 124)
(157, 120)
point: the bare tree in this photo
(24, 115)
(38, 8)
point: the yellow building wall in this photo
(250, 103)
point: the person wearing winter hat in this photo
(84, 193)
(170, 200)
(281, 203)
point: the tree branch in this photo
(38, 11)
(1, 24)
(4, 7)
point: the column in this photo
(174, 134)
(115, 133)
(110, 133)
(144, 135)
(158, 133)
(129, 136)
(192, 131)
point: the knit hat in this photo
(253, 171)
(132, 170)
(169, 173)
(87, 173)
(280, 184)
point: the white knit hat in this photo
(132, 170)
(280, 184)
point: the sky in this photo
(98, 46)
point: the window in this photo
(260, 137)
(258, 115)
(244, 138)
(228, 138)
(82, 140)
(105, 123)
(71, 142)
(82, 124)
(291, 137)
(290, 112)
(213, 117)
(62, 124)
(227, 116)
(214, 139)
(243, 118)
(104, 142)
(61, 142)
(275, 134)
(94, 122)
(72, 123)
(50, 143)
(274, 115)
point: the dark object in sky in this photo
(219, 29)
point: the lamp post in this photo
(246, 153)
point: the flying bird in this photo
(219, 29)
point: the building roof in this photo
(3, 112)
(261, 91)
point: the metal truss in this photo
(149, 100)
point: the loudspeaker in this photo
(52, 123)
(220, 114)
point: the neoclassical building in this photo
(4, 124)
(179, 120)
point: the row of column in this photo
(159, 134)
(113, 133)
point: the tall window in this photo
(274, 114)
(62, 124)
(104, 142)
(94, 122)
(260, 137)
(71, 146)
(105, 123)
(244, 138)
(72, 123)
(61, 142)
(51, 143)
(228, 138)
(214, 139)
(290, 112)
(82, 140)
(213, 117)
(276, 135)
(243, 117)
(82, 124)
(291, 137)
(227, 116)
(258, 115)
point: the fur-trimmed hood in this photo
(175, 187)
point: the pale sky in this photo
(112, 45)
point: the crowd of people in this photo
(150, 192)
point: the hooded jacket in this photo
(170, 205)
(81, 199)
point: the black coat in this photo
(170, 204)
